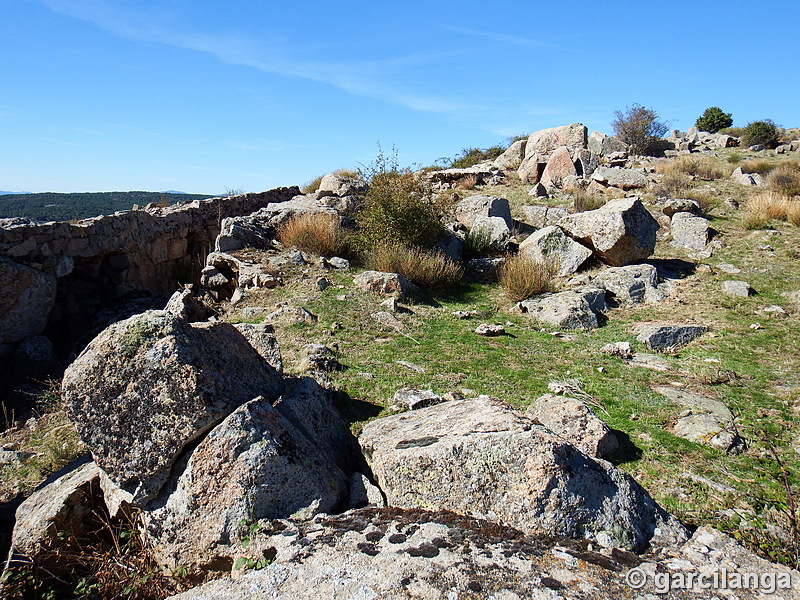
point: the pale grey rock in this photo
(482, 205)
(545, 141)
(386, 284)
(480, 457)
(319, 358)
(621, 349)
(603, 145)
(147, 386)
(669, 337)
(512, 157)
(621, 232)
(737, 288)
(654, 362)
(729, 268)
(542, 216)
(576, 422)
(60, 506)
(490, 330)
(414, 398)
(585, 161)
(28, 297)
(335, 184)
(336, 262)
(684, 205)
(572, 309)
(255, 464)
(743, 178)
(538, 191)
(495, 229)
(624, 179)
(689, 231)
(550, 245)
(184, 305)
(633, 284)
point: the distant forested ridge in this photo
(54, 206)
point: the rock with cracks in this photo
(147, 386)
(480, 457)
(621, 232)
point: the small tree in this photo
(639, 128)
(713, 119)
(763, 132)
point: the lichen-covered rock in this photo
(480, 457)
(573, 420)
(256, 464)
(572, 309)
(147, 386)
(668, 337)
(541, 216)
(388, 284)
(633, 284)
(261, 336)
(549, 244)
(689, 231)
(620, 232)
(27, 299)
(494, 230)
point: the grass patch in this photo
(583, 200)
(785, 178)
(522, 277)
(429, 269)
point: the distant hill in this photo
(54, 206)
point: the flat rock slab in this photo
(696, 402)
(669, 337)
(737, 288)
(654, 362)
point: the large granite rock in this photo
(559, 167)
(387, 284)
(602, 144)
(624, 179)
(539, 216)
(147, 386)
(549, 244)
(257, 464)
(669, 337)
(28, 297)
(621, 232)
(541, 144)
(481, 205)
(689, 231)
(512, 157)
(480, 457)
(578, 308)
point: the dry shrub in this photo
(350, 173)
(673, 185)
(705, 198)
(522, 277)
(318, 233)
(467, 182)
(785, 179)
(583, 200)
(793, 212)
(701, 167)
(311, 186)
(760, 166)
(768, 206)
(429, 269)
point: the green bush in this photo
(713, 119)
(763, 132)
(639, 128)
(398, 207)
(472, 156)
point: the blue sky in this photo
(202, 96)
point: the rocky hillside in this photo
(579, 380)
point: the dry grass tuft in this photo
(319, 233)
(429, 269)
(761, 166)
(467, 182)
(785, 179)
(771, 206)
(701, 167)
(673, 185)
(522, 277)
(583, 200)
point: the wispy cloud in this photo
(360, 78)
(502, 37)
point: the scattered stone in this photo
(538, 191)
(677, 205)
(464, 314)
(413, 398)
(621, 232)
(621, 349)
(573, 420)
(158, 383)
(336, 184)
(485, 458)
(689, 231)
(336, 262)
(322, 283)
(319, 357)
(489, 330)
(550, 245)
(669, 337)
(387, 284)
(774, 309)
(729, 268)
(649, 361)
(737, 288)
(184, 305)
(632, 284)
(741, 177)
(410, 365)
(387, 319)
(573, 309)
